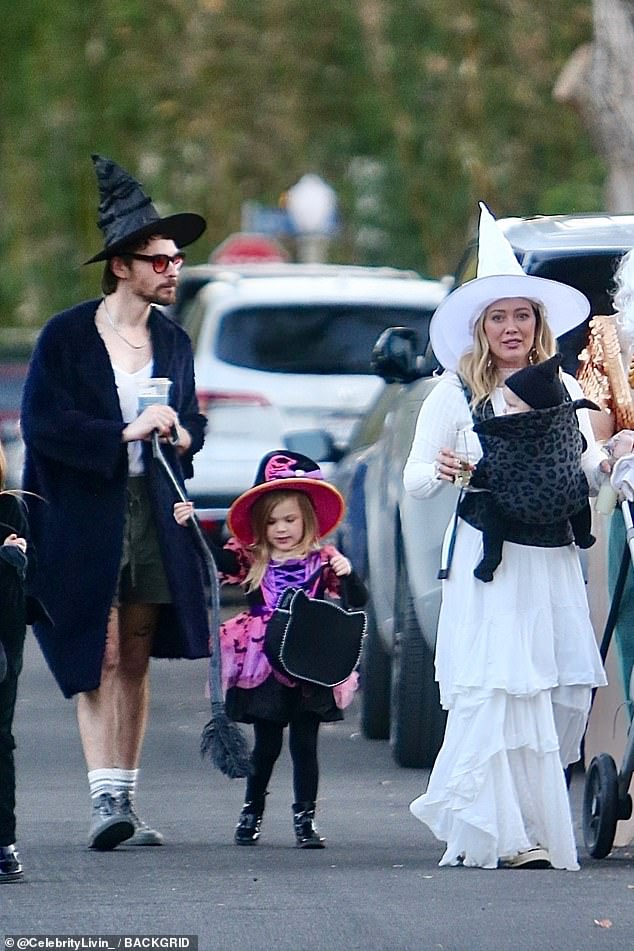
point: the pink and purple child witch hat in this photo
(284, 469)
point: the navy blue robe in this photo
(78, 465)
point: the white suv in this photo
(286, 353)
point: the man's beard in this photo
(162, 296)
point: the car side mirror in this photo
(427, 364)
(395, 355)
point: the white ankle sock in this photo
(100, 781)
(125, 780)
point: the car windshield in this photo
(323, 338)
(592, 274)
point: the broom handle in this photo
(215, 677)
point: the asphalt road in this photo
(376, 886)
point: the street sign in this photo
(248, 248)
(265, 219)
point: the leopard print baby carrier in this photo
(532, 462)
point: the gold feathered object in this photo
(602, 376)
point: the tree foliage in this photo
(411, 109)
(597, 81)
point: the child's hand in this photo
(183, 512)
(17, 541)
(340, 565)
(622, 444)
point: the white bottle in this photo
(606, 498)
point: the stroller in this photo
(606, 799)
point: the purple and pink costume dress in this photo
(253, 690)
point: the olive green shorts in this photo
(142, 578)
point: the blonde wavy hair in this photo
(476, 366)
(260, 515)
(624, 297)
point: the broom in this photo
(221, 739)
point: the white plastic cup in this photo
(154, 390)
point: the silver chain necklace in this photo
(118, 332)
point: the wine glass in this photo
(465, 458)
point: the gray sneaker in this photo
(108, 825)
(10, 867)
(143, 834)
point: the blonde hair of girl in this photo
(260, 515)
(479, 371)
(3, 478)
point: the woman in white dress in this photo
(516, 658)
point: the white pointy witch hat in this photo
(499, 275)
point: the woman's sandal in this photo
(531, 858)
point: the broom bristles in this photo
(225, 745)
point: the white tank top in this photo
(127, 384)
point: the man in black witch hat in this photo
(119, 581)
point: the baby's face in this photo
(513, 403)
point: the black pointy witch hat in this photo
(539, 385)
(127, 215)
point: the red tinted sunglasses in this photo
(161, 262)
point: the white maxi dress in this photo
(516, 661)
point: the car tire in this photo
(375, 683)
(417, 721)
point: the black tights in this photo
(302, 744)
(13, 644)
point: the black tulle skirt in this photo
(278, 703)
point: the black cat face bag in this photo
(314, 640)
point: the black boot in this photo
(248, 827)
(306, 835)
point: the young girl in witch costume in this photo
(276, 527)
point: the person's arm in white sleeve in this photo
(443, 412)
(593, 455)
